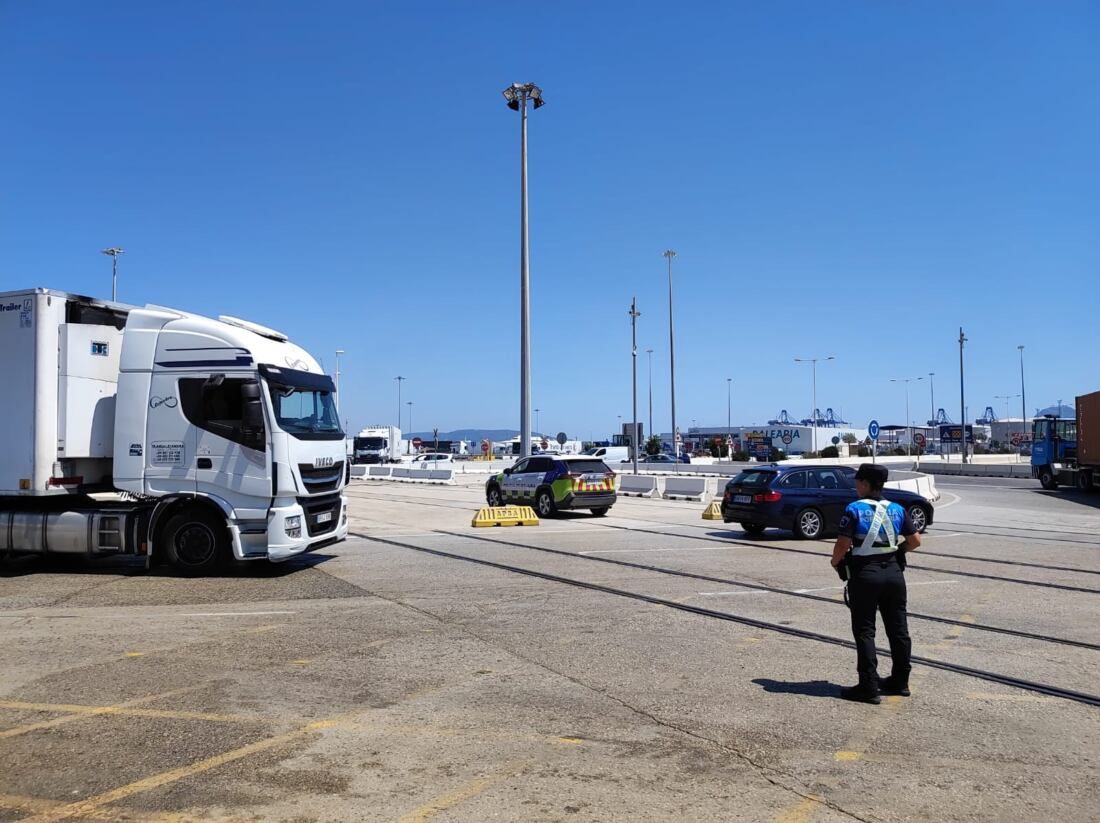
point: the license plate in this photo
(742, 498)
(593, 478)
(324, 517)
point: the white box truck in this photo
(157, 432)
(378, 444)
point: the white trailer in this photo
(161, 433)
(378, 444)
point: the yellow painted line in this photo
(847, 756)
(83, 808)
(571, 741)
(135, 654)
(453, 798)
(299, 662)
(35, 805)
(800, 812)
(75, 712)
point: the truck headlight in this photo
(293, 526)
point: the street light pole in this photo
(517, 96)
(908, 422)
(962, 393)
(932, 389)
(650, 353)
(537, 429)
(668, 255)
(813, 361)
(634, 315)
(410, 404)
(399, 380)
(337, 375)
(113, 253)
(1023, 391)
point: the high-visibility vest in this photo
(881, 521)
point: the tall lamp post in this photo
(813, 361)
(113, 253)
(908, 422)
(337, 375)
(410, 405)
(399, 380)
(962, 394)
(668, 254)
(517, 96)
(634, 315)
(650, 353)
(729, 415)
(537, 429)
(1023, 391)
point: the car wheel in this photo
(493, 497)
(809, 524)
(195, 542)
(1047, 479)
(754, 529)
(600, 511)
(544, 504)
(918, 517)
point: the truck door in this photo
(169, 447)
(231, 457)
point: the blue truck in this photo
(1067, 452)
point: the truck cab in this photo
(1054, 453)
(163, 433)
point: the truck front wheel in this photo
(1047, 479)
(195, 542)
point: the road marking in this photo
(679, 549)
(453, 798)
(847, 756)
(952, 534)
(940, 506)
(800, 812)
(741, 591)
(229, 614)
(135, 654)
(35, 805)
(88, 806)
(822, 589)
(76, 712)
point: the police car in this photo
(808, 500)
(552, 484)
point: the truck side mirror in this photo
(252, 412)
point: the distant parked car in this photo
(808, 500)
(654, 458)
(432, 460)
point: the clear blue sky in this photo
(855, 179)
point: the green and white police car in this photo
(551, 484)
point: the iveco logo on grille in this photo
(322, 463)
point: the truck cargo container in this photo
(161, 433)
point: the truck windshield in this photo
(370, 442)
(303, 403)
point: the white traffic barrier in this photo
(685, 488)
(638, 485)
(399, 472)
(442, 475)
(358, 471)
(420, 474)
(378, 472)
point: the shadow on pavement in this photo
(809, 688)
(25, 565)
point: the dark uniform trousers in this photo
(878, 584)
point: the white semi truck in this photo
(378, 444)
(157, 432)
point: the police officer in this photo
(867, 554)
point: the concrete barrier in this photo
(378, 472)
(358, 471)
(420, 474)
(442, 475)
(640, 485)
(399, 472)
(685, 488)
(978, 470)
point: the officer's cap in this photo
(873, 473)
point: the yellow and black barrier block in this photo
(505, 516)
(713, 511)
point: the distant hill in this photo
(476, 435)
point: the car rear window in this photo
(587, 467)
(754, 477)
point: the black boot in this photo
(861, 694)
(888, 685)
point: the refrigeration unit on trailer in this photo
(158, 432)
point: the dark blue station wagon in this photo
(808, 500)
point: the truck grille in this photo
(318, 507)
(321, 480)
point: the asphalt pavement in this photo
(648, 665)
